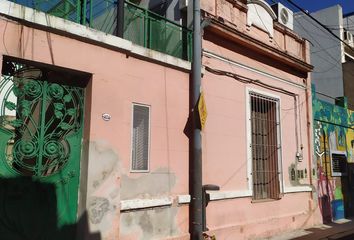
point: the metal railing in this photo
(67, 9)
(150, 30)
(141, 26)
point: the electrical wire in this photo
(266, 66)
(259, 83)
(337, 63)
(344, 28)
(321, 50)
(279, 47)
(248, 80)
(331, 97)
(319, 23)
(325, 95)
(266, 27)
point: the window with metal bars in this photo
(339, 163)
(265, 146)
(140, 138)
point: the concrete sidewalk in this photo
(338, 230)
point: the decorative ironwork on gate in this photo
(39, 117)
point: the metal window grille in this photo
(265, 146)
(339, 164)
(140, 145)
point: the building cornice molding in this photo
(244, 39)
(281, 28)
(243, 7)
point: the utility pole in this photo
(195, 170)
(120, 18)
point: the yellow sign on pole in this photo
(203, 113)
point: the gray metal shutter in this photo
(140, 148)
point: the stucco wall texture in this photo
(119, 80)
(225, 152)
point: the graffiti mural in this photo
(334, 153)
(350, 144)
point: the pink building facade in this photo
(132, 180)
(252, 60)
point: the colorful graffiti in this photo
(338, 123)
(334, 151)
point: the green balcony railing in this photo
(68, 9)
(141, 26)
(150, 30)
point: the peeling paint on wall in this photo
(103, 162)
(154, 184)
(98, 207)
(149, 224)
(103, 190)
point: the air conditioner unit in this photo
(348, 38)
(183, 4)
(284, 14)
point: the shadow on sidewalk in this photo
(342, 229)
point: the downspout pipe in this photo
(195, 161)
(309, 117)
(120, 18)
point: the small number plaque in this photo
(106, 117)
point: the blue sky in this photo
(314, 5)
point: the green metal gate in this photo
(41, 125)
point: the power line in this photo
(337, 63)
(266, 27)
(257, 82)
(340, 28)
(334, 25)
(247, 80)
(318, 22)
(330, 97)
(270, 69)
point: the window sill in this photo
(139, 171)
(265, 200)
